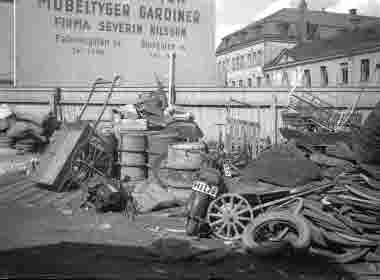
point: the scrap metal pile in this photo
(337, 215)
(23, 133)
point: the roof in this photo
(290, 15)
(344, 44)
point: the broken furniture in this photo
(76, 152)
(311, 109)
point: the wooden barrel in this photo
(132, 155)
(185, 156)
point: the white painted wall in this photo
(6, 46)
(44, 60)
(249, 70)
(334, 71)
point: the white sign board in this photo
(72, 42)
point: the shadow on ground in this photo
(80, 260)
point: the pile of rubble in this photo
(24, 134)
(332, 209)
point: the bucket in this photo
(185, 156)
(132, 155)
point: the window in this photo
(307, 78)
(324, 76)
(254, 58)
(285, 79)
(377, 72)
(258, 81)
(249, 59)
(259, 57)
(242, 62)
(364, 70)
(240, 83)
(344, 72)
(249, 82)
(237, 62)
(233, 83)
(268, 80)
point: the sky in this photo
(231, 15)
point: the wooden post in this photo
(14, 58)
(275, 120)
(171, 94)
(54, 101)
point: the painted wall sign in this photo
(71, 42)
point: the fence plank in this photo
(207, 104)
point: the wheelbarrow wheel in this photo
(88, 159)
(229, 215)
(81, 162)
(262, 237)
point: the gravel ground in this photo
(48, 243)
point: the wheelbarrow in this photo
(76, 152)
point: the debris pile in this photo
(335, 216)
(25, 134)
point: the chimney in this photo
(301, 21)
(354, 19)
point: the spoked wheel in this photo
(80, 164)
(88, 159)
(229, 215)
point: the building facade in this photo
(349, 59)
(242, 56)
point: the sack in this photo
(22, 129)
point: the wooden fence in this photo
(207, 104)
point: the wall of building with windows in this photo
(244, 67)
(358, 70)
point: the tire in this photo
(297, 223)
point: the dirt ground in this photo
(45, 243)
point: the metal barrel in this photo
(132, 155)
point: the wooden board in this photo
(53, 163)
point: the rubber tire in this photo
(298, 223)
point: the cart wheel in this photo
(229, 215)
(102, 157)
(81, 163)
(89, 158)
